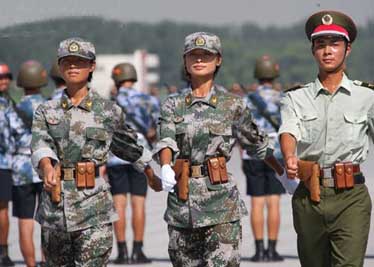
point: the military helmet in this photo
(124, 72)
(54, 72)
(32, 75)
(329, 22)
(5, 71)
(266, 68)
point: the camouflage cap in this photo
(329, 22)
(76, 47)
(202, 40)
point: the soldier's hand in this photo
(291, 166)
(48, 178)
(48, 171)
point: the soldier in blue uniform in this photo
(262, 185)
(5, 167)
(142, 114)
(27, 185)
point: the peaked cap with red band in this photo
(329, 22)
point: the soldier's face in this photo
(200, 62)
(330, 52)
(76, 69)
(4, 83)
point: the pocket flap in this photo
(355, 118)
(309, 117)
(97, 133)
(220, 129)
(81, 168)
(90, 167)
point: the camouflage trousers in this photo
(217, 245)
(88, 247)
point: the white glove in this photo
(167, 178)
(289, 184)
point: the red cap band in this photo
(330, 29)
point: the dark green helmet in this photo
(54, 72)
(32, 75)
(266, 68)
(15, 93)
(124, 72)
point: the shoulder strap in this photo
(364, 84)
(295, 87)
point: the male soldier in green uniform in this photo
(328, 123)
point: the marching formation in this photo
(73, 161)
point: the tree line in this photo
(242, 44)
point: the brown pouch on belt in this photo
(182, 174)
(56, 190)
(214, 170)
(309, 173)
(80, 173)
(339, 175)
(90, 174)
(349, 178)
(223, 170)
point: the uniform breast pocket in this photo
(309, 128)
(356, 126)
(220, 142)
(97, 143)
(57, 128)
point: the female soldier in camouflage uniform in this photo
(76, 131)
(198, 126)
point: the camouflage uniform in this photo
(144, 114)
(23, 172)
(205, 230)
(69, 134)
(5, 155)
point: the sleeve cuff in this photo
(46, 152)
(143, 161)
(290, 130)
(164, 143)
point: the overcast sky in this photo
(262, 12)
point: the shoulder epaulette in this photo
(295, 87)
(364, 84)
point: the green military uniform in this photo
(78, 231)
(205, 230)
(331, 128)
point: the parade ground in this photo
(156, 238)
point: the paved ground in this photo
(156, 238)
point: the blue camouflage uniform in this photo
(20, 136)
(5, 154)
(143, 112)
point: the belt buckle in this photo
(328, 182)
(68, 174)
(196, 171)
(327, 172)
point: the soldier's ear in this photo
(93, 66)
(219, 61)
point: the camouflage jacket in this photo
(5, 153)
(197, 129)
(142, 114)
(19, 119)
(68, 134)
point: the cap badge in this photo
(73, 47)
(327, 19)
(200, 41)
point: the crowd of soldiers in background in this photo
(18, 100)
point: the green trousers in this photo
(333, 232)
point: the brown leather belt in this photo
(68, 174)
